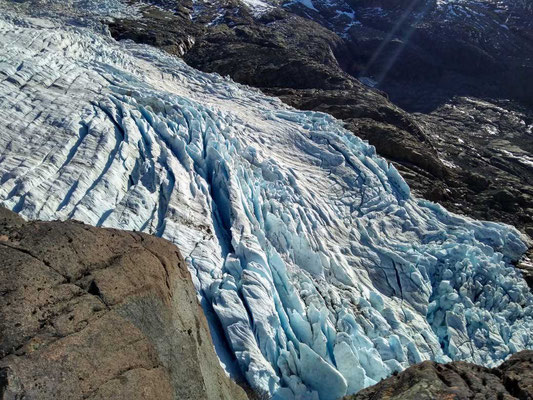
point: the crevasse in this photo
(319, 270)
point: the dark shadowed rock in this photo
(90, 313)
(487, 147)
(425, 52)
(457, 381)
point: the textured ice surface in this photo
(322, 272)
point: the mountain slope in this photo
(319, 271)
(425, 52)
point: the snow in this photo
(323, 271)
(259, 7)
(365, 80)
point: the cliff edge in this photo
(91, 313)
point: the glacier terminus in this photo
(319, 271)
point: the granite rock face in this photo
(457, 381)
(91, 313)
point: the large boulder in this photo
(100, 314)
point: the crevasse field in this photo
(319, 271)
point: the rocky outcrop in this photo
(487, 146)
(89, 313)
(457, 381)
(425, 52)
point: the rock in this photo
(487, 148)
(457, 380)
(517, 375)
(426, 52)
(526, 266)
(98, 314)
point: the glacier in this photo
(320, 272)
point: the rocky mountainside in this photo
(421, 54)
(458, 381)
(494, 144)
(425, 52)
(91, 313)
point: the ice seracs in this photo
(321, 273)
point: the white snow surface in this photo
(257, 6)
(324, 272)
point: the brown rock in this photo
(100, 314)
(457, 381)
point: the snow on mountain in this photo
(341, 15)
(337, 15)
(258, 6)
(317, 267)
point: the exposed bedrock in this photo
(458, 381)
(92, 313)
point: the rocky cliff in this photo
(90, 313)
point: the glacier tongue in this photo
(324, 273)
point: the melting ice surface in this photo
(320, 269)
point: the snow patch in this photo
(257, 6)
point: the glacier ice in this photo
(322, 271)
